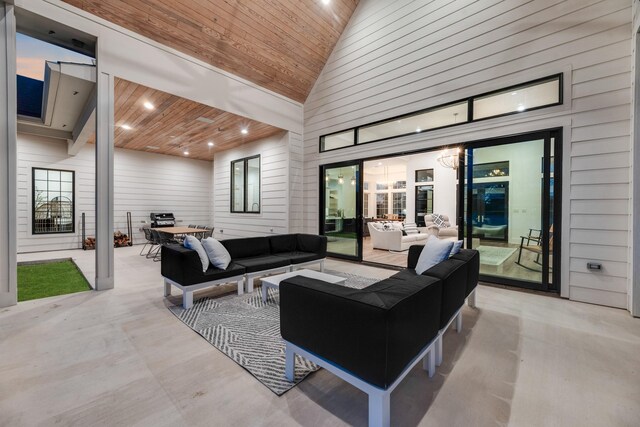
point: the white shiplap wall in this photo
(144, 183)
(403, 56)
(275, 188)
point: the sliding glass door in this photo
(509, 208)
(340, 210)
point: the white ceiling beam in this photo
(85, 126)
(40, 130)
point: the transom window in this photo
(532, 95)
(53, 196)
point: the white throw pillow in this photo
(456, 248)
(435, 251)
(218, 254)
(191, 242)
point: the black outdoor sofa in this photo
(372, 337)
(250, 257)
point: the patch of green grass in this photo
(49, 279)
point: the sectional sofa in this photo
(372, 337)
(393, 239)
(250, 257)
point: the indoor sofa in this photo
(393, 239)
(250, 257)
(376, 335)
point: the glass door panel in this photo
(340, 217)
(508, 210)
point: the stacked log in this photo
(120, 239)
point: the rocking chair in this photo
(534, 244)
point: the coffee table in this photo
(274, 281)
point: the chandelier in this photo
(450, 158)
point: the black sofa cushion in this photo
(283, 243)
(453, 274)
(312, 243)
(247, 247)
(184, 267)
(372, 333)
(296, 257)
(260, 263)
(472, 258)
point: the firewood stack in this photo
(90, 243)
(120, 239)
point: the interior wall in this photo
(144, 183)
(275, 190)
(399, 57)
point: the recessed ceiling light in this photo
(326, 2)
(521, 107)
(126, 127)
(210, 144)
(514, 93)
(185, 152)
(418, 130)
(148, 105)
(244, 131)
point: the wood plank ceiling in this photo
(176, 125)
(281, 45)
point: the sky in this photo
(32, 53)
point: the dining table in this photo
(179, 231)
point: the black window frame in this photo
(245, 162)
(470, 114)
(33, 201)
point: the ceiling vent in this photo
(205, 120)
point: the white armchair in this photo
(392, 239)
(446, 231)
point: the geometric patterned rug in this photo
(248, 331)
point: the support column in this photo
(8, 158)
(104, 181)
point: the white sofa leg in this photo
(249, 281)
(167, 288)
(471, 299)
(241, 286)
(290, 363)
(438, 351)
(459, 322)
(379, 409)
(429, 361)
(187, 299)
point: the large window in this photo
(382, 204)
(540, 93)
(245, 185)
(400, 204)
(53, 201)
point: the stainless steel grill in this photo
(159, 220)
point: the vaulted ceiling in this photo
(281, 45)
(173, 125)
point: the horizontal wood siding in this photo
(398, 57)
(275, 176)
(143, 183)
(296, 190)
